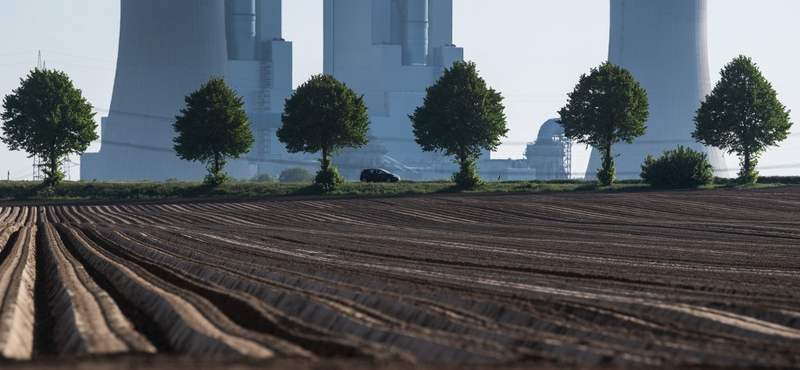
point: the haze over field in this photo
(531, 51)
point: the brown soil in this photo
(670, 279)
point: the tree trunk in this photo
(216, 163)
(325, 162)
(746, 163)
(607, 158)
(53, 166)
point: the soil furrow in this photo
(17, 280)
(190, 324)
(705, 278)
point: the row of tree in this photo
(460, 117)
(742, 115)
(47, 116)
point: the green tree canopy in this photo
(324, 115)
(296, 174)
(212, 127)
(48, 117)
(460, 116)
(606, 107)
(742, 115)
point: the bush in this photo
(51, 177)
(681, 167)
(216, 179)
(606, 176)
(296, 174)
(329, 180)
(468, 179)
(748, 177)
(264, 177)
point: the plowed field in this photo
(707, 278)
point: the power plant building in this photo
(168, 49)
(391, 51)
(663, 44)
(550, 156)
(388, 50)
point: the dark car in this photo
(378, 175)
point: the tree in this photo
(212, 127)
(742, 115)
(461, 117)
(48, 117)
(296, 174)
(607, 107)
(324, 115)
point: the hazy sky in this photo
(530, 50)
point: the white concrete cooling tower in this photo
(167, 49)
(663, 44)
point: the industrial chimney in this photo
(415, 48)
(663, 44)
(241, 29)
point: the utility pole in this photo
(68, 164)
(37, 168)
(37, 163)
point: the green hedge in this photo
(680, 167)
(149, 190)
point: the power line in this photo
(19, 63)
(17, 53)
(55, 61)
(80, 57)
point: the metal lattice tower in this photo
(37, 161)
(565, 143)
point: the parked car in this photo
(378, 175)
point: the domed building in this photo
(551, 154)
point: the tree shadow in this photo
(450, 189)
(588, 187)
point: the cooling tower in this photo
(663, 44)
(167, 49)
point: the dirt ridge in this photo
(689, 278)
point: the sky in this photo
(532, 51)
